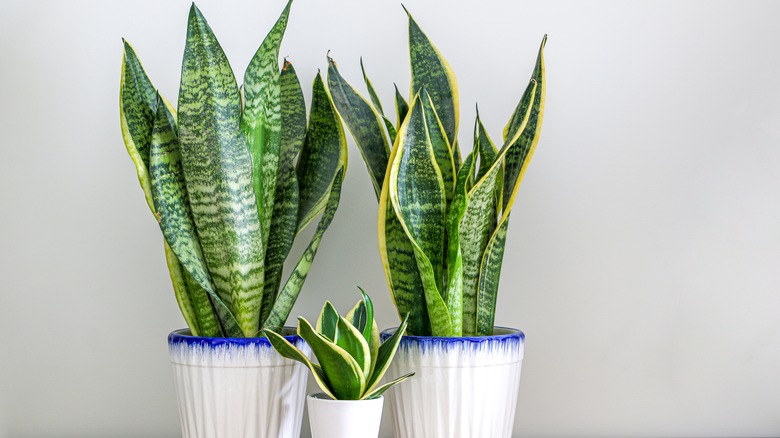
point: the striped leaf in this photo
(137, 109)
(455, 212)
(342, 371)
(171, 202)
(376, 393)
(218, 171)
(289, 293)
(288, 350)
(489, 274)
(371, 91)
(521, 136)
(485, 146)
(385, 356)
(293, 116)
(363, 122)
(398, 260)
(477, 228)
(324, 153)
(180, 291)
(401, 107)
(391, 132)
(358, 317)
(328, 320)
(261, 121)
(431, 70)
(418, 198)
(352, 341)
(285, 213)
(441, 146)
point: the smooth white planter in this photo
(344, 418)
(237, 387)
(462, 388)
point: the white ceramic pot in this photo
(344, 418)
(462, 388)
(237, 387)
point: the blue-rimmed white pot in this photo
(237, 387)
(463, 387)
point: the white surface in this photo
(642, 258)
(459, 389)
(238, 391)
(344, 418)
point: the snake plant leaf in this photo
(487, 149)
(455, 212)
(521, 137)
(353, 342)
(173, 213)
(489, 275)
(476, 229)
(283, 228)
(288, 350)
(525, 136)
(357, 317)
(376, 393)
(209, 320)
(328, 320)
(363, 122)
(285, 213)
(391, 132)
(440, 144)
(289, 293)
(416, 188)
(371, 91)
(369, 306)
(430, 69)
(342, 370)
(401, 107)
(218, 171)
(180, 291)
(261, 120)
(324, 153)
(293, 117)
(418, 199)
(137, 107)
(386, 352)
(398, 260)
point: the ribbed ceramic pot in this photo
(237, 387)
(462, 388)
(344, 418)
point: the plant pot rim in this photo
(325, 398)
(505, 333)
(184, 336)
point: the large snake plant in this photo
(351, 359)
(233, 177)
(442, 219)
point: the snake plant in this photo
(351, 360)
(232, 178)
(442, 218)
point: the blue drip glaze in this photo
(512, 338)
(183, 336)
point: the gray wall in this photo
(642, 259)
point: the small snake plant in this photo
(233, 177)
(442, 219)
(351, 360)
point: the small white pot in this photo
(462, 388)
(344, 418)
(237, 387)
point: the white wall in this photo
(642, 261)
